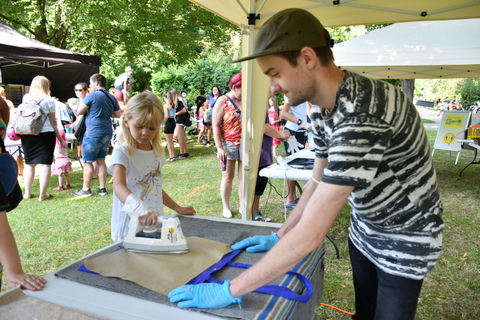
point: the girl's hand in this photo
(26, 281)
(186, 210)
(148, 219)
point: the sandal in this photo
(59, 188)
(171, 159)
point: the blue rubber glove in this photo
(257, 243)
(204, 295)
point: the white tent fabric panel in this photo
(409, 50)
(333, 13)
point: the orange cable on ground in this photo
(330, 306)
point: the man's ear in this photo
(308, 57)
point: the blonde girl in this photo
(136, 167)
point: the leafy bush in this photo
(208, 71)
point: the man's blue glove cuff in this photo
(226, 290)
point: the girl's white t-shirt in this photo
(144, 179)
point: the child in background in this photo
(274, 120)
(136, 167)
(62, 164)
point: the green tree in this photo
(190, 77)
(469, 90)
(142, 33)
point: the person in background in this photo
(101, 107)
(180, 110)
(213, 95)
(16, 152)
(298, 126)
(169, 126)
(201, 127)
(81, 90)
(3, 94)
(64, 114)
(62, 164)
(207, 123)
(136, 166)
(227, 132)
(199, 100)
(269, 133)
(372, 150)
(38, 149)
(9, 258)
(274, 120)
(123, 84)
(4, 118)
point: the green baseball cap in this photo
(289, 30)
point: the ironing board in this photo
(118, 299)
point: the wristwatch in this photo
(299, 121)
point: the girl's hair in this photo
(147, 110)
(171, 97)
(274, 104)
(40, 86)
(275, 101)
(219, 91)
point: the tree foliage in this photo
(466, 90)
(144, 33)
(190, 77)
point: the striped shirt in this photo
(375, 141)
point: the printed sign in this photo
(452, 127)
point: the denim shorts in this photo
(233, 151)
(95, 148)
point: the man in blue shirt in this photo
(99, 106)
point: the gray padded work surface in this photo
(225, 232)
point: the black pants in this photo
(379, 295)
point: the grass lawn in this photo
(56, 232)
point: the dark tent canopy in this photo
(22, 58)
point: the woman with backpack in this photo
(38, 149)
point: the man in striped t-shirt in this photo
(372, 151)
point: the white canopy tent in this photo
(250, 15)
(415, 50)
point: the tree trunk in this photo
(408, 86)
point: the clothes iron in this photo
(165, 237)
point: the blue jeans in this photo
(95, 148)
(379, 295)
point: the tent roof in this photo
(333, 13)
(422, 49)
(16, 48)
(22, 58)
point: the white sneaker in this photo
(227, 213)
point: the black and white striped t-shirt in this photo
(375, 141)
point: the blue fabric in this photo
(280, 291)
(101, 107)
